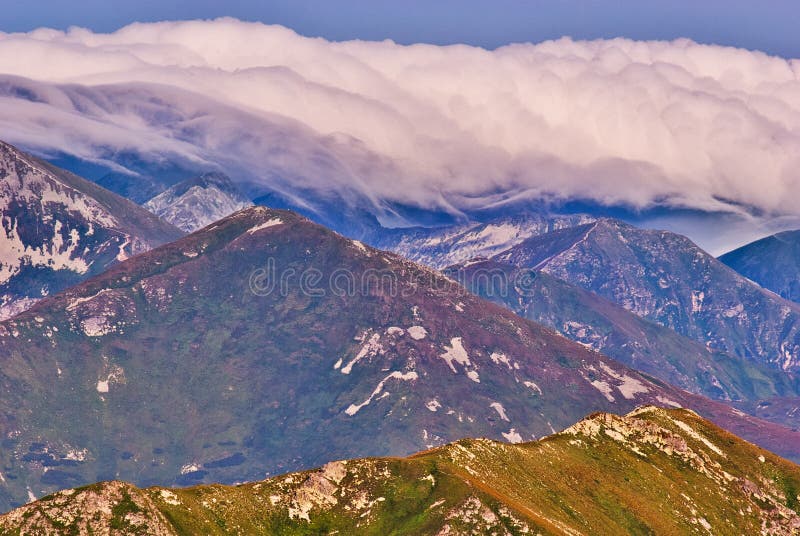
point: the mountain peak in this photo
(198, 201)
(444, 246)
(254, 219)
(674, 431)
(9, 151)
(257, 214)
(206, 180)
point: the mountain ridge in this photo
(439, 247)
(649, 471)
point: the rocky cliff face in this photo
(650, 471)
(58, 229)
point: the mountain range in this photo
(652, 471)
(664, 277)
(444, 245)
(265, 343)
(59, 229)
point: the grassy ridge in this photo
(652, 471)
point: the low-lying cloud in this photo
(615, 121)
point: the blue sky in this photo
(770, 26)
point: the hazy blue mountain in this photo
(773, 262)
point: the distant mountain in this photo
(137, 188)
(439, 247)
(666, 278)
(609, 328)
(197, 202)
(652, 471)
(773, 262)
(265, 343)
(59, 229)
(135, 175)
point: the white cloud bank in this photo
(616, 121)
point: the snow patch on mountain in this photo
(532, 386)
(455, 353)
(446, 246)
(267, 224)
(671, 403)
(604, 388)
(15, 306)
(500, 357)
(56, 223)
(501, 411)
(370, 349)
(417, 332)
(433, 405)
(628, 385)
(352, 409)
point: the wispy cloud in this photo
(617, 121)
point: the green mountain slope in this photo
(652, 471)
